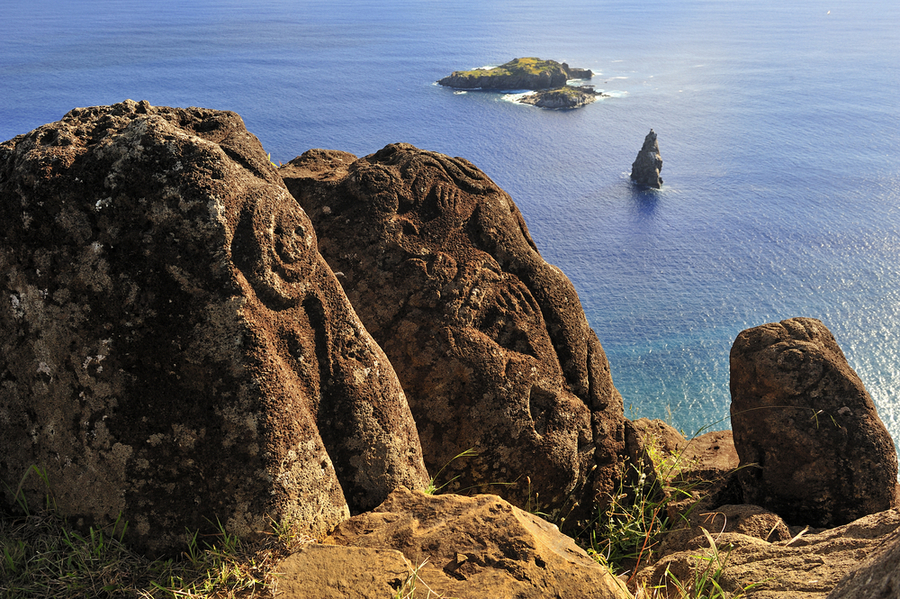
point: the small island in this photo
(548, 78)
(568, 96)
(517, 74)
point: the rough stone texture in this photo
(878, 577)
(749, 520)
(173, 347)
(812, 447)
(490, 341)
(646, 167)
(709, 457)
(806, 567)
(475, 547)
(334, 572)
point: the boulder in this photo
(706, 458)
(481, 546)
(173, 349)
(812, 447)
(646, 167)
(490, 341)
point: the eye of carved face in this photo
(286, 249)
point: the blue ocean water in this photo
(778, 122)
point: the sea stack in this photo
(646, 167)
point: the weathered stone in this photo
(811, 444)
(481, 546)
(749, 520)
(174, 350)
(807, 566)
(878, 577)
(646, 167)
(490, 341)
(708, 457)
(335, 572)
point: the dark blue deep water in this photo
(779, 124)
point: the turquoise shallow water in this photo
(778, 124)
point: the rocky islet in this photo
(548, 78)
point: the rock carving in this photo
(489, 341)
(173, 342)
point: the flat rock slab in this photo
(481, 546)
(334, 572)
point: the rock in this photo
(709, 457)
(335, 572)
(173, 343)
(562, 97)
(481, 546)
(646, 167)
(750, 520)
(878, 577)
(706, 458)
(490, 341)
(812, 447)
(519, 73)
(807, 566)
(574, 73)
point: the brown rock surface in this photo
(878, 577)
(490, 341)
(811, 444)
(481, 546)
(334, 572)
(807, 567)
(173, 347)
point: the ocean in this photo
(778, 124)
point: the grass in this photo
(41, 556)
(627, 535)
(434, 488)
(411, 589)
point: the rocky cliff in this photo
(194, 336)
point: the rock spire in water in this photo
(646, 167)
